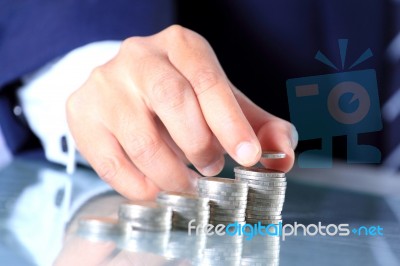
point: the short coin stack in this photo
(99, 228)
(228, 199)
(145, 215)
(266, 192)
(185, 207)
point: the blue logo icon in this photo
(343, 103)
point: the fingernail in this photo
(247, 153)
(213, 168)
(294, 137)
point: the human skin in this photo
(162, 102)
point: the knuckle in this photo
(205, 80)
(170, 91)
(99, 74)
(132, 44)
(185, 37)
(108, 169)
(178, 31)
(144, 148)
(72, 106)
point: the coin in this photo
(181, 199)
(259, 180)
(99, 225)
(273, 155)
(258, 171)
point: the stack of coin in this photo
(99, 228)
(266, 191)
(146, 215)
(185, 207)
(228, 199)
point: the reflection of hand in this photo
(80, 251)
(162, 102)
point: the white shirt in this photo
(44, 94)
(5, 154)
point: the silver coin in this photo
(178, 197)
(227, 211)
(269, 203)
(267, 185)
(261, 194)
(182, 203)
(196, 218)
(146, 221)
(270, 184)
(268, 192)
(222, 215)
(144, 207)
(256, 202)
(222, 181)
(227, 198)
(223, 204)
(258, 171)
(145, 218)
(190, 210)
(273, 155)
(203, 191)
(206, 191)
(216, 208)
(265, 206)
(262, 221)
(132, 225)
(270, 188)
(266, 196)
(265, 213)
(99, 225)
(258, 179)
(226, 221)
(211, 188)
(262, 208)
(263, 217)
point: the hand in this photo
(162, 102)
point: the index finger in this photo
(194, 58)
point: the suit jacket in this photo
(33, 33)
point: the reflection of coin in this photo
(99, 225)
(359, 94)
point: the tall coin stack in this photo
(266, 191)
(228, 199)
(185, 207)
(145, 215)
